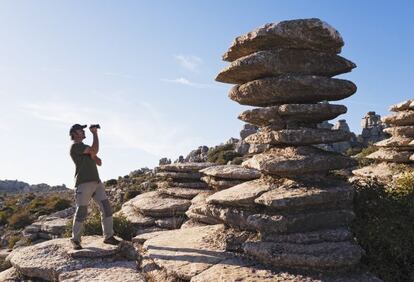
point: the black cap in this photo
(76, 127)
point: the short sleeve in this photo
(78, 149)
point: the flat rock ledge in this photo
(232, 172)
(185, 167)
(55, 260)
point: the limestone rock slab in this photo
(283, 61)
(303, 222)
(240, 195)
(397, 142)
(186, 193)
(291, 89)
(185, 167)
(232, 172)
(319, 236)
(180, 175)
(403, 106)
(94, 249)
(301, 136)
(157, 205)
(184, 253)
(391, 155)
(220, 183)
(285, 197)
(193, 184)
(170, 222)
(311, 34)
(297, 160)
(125, 271)
(323, 256)
(400, 118)
(290, 113)
(407, 131)
(133, 215)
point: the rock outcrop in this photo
(291, 224)
(165, 208)
(396, 152)
(55, 260)
(372, 129)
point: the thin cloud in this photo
(185, 81)
(116, 74)
(138, 130)
(189, 62)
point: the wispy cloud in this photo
(147, 129)
(185, 81)
(189, 62)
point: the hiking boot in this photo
(76, 245)
(112, 241)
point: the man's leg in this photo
(106, 211)
(83, 195)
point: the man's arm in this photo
(95, 142)
(90, 151)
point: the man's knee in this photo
(81, 213)
(106, 208)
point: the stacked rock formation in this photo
(165, 208)
(372, 129)
(397, 151)
(301, 214)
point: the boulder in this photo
(384, 171)
(400, 118)
(312, 34)
(193, 223)
(283, 61)
(284, 89)
(287, 114)
(403, 106)
(134, 216)
(301, 222)
(10, 275)
(232, 172)
(185, 253)
(322, 256)
(301, 136)
(297, 160)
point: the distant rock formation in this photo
(397, 152)
(372, 129)
(15, 186)
(164, 161)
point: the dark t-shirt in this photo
(86, 169)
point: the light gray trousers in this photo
(84, 192)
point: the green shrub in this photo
(384, 228)
(132, 193)
(405, 183)
(92, 226)
(12, 240)
(222, 154)
(361, 157)
(20, 219)
(111, 182)
(57, 204)
(4, 217)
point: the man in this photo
(88, 185)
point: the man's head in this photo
(77, 133)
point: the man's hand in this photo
(94, 130)
(97, 160)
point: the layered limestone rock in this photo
(373, 129)
(165, 208)
(55, 260)
(286, 70)
(225, 176)
(395, 154)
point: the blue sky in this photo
(145, 71)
